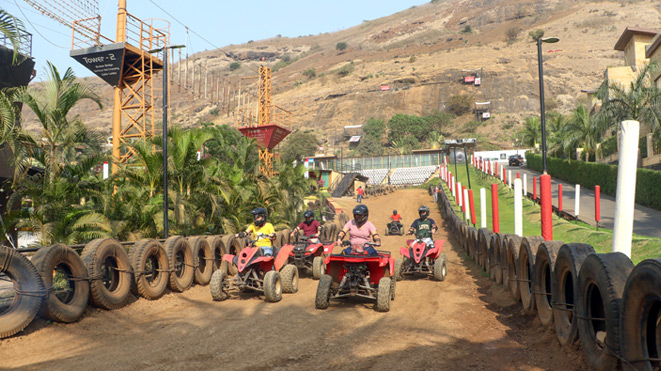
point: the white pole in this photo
(525, 185)
(459, 194)
(577, 200)
(105, 169)
(625, 196)
(454, 186)
(502, 173)
(509, 178)
(468, 211)
(518, 209)
(483, 208)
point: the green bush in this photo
(590, 174)
(471, 126)
(609, 146)
(235, 66)
(345, 70)
(341, 46)
(458, 104)
(310, 73)
(467, 29)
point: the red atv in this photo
(422, 259)
(255, 271)
(366, 274)
(305, 254)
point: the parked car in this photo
(516, 160)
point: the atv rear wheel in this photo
(323, 292)
(272, 286)
(216, 285)
(440, 268)
(398, 269)
(289, 277)
(383, 295)
(318, 267)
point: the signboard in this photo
(478, 81)
(460, 141)
(486, 115)
(385, 87)
(354, 139)
(105, 61)
(469, 79)
(267, 136)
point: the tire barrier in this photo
(470, 242)
(149, 261)
(526, 271)
(180, 257)
(285, 236)
(601, 282)
(504, 242)
(483, 244)
(279, 239)
(202, 260)
(565, 289)
(494, 265)
(63, 271)
(109, 271)
(513, 245)
(217, 250)
(28, 291)
(233, 245)
(640, 336)
(543, 280)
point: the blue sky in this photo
(220, 22)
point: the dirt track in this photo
(465, 322)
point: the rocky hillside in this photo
(419, 53)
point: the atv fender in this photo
(405, 251)
(438, 246)
(328, 249)
(391, 265)
(283, 256)
(312, 249)
(229, 258)
(409, 242)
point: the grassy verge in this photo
(642, 247)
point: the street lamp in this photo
(549, 40)
(545, 179)
(165, 132)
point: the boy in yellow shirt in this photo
(263, 232)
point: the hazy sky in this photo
(220, 22)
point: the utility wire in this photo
(198, 35)
(36, 30)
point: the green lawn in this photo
(642, 247)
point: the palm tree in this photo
(531, 133)
(555, 123)
(436, 140)
(640, 101)
(581, 130)
(12, 28)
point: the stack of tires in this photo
(601, 300)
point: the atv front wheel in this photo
(383, 295)
(318, 267)
(398, 269)
(440, 268)
(323, 292)
(272, 286)
(289, 277)
(216, 285)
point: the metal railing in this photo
(24, 43)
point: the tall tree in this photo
(581, 130)
(531, 133)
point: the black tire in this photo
(234, 246)
(272, 287)
(640, 335)
(318, 267)
(543, 280)
(26, 279)
(109, 271)
(483, 246)
(285, 236)
(471, 244)
(393, 287)
(565, 289)
(67, 301)
(323, 292)
(180, 257)
(499, 242)
(202, 260)
(491, 255)
(398, 270)
(217, 250)
(601, 280)
(526, 272)
(289, 277)
(216, 286)
(150, 269)
(513, 245)
(383, 295)
(440, 268)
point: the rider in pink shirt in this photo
(359, 230)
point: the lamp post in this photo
(165, 132)
(540, 40)
(545, 179)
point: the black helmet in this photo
(360, 214)
(256, 213)
(309, 216)
(394, 212)
(423, 211)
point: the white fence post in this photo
(483, 208)
(625, 196)
(518, 209)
